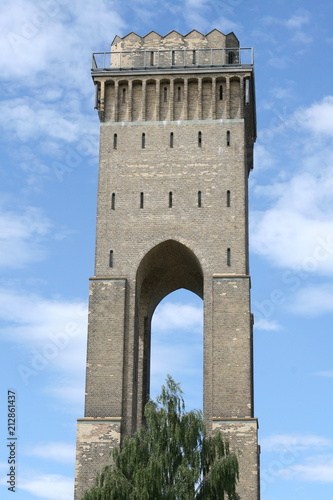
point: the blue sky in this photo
(49, 156)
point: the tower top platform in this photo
(173, 51)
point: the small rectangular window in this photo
(170, 199)
(221, 92)
(199, 199)
(111, 258)
(115, 141)
(228, 137)
(199, 139)
(165, 94)
(171, 139)
(143, 141)
(228, 198)
(113, 201)
(123, 95)
(228, 257)
(194, 57)
(173, 58)
(151, 58)
(179, 94)
(141, 200)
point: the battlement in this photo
(174, 40)
(173, 52)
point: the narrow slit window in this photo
(165, 94)
(228, 137)
(199, 139)
(170, 199)
(143, 140)
(123, 95)
(151, 58)
(173, 58)
(171, 139)
(228, 198)
(179, 94)
(115, 141)
(228, 257)
(199, 199)
(113, 201)
(247, 91)
(111, 258)
(141, 199)
(221, 92)
(194, 57)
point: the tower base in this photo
(96, 438)
(242, 435)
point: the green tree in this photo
(171, 458)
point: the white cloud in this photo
(263, 158)
(51, 125)
(313, 300)
(297, 21)
(327, 373)
(177, 348)
(316, 469)
(171, 316)
(318, 118)
(52, 336)
(196, 15)
(282, 442)
(40, 41)
(49, 486)
(58, 452)
(33, 318)
(22, 237)
(296, 230)
(268, 325)
(70, 391)
(28, 119)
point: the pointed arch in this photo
(167, 267)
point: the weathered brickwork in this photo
(176, 148)
(242, 435)
(95, 440)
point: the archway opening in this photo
(166, 268)
(177, 346)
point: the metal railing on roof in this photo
(172, 59)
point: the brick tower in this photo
(176, 146)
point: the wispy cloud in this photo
(317, 469)
(298, 20)
(52, 337)
(22, 236)
(172, 316)
(40, 43)
(317, 118)
(280, 442)
(48, 486)
(266, 324)
(177, 348)
(327, 373)
(296, 230)
(55, 451)
(313, 300)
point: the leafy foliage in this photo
(171, 458)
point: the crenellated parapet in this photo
(193, 40)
